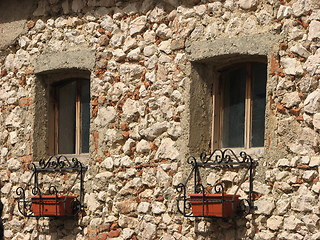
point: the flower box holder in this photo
(217, 204)
(53, 204)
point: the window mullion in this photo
(78, 119)
(56, 122)
(216, 114)
(248, 107)
(220, 109)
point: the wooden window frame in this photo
(54, 118)
(217, 106)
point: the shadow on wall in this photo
(59, 228)
(1, 225)
(15, 10)
(223, 229)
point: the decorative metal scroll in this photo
(217, 159)
(32, 189)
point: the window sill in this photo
(256, 152)
(83, 158)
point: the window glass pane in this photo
(85, 115)
(258, 104)
(234, 86)
(66, 119)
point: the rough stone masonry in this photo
(142, 59)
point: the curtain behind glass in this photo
(258, 104)
(66, 118)
(85, 115)
(234, 87)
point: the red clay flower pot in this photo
(214, 205)
(52, 205)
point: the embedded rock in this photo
(14, 164)
(162, 177)
(247, 4)
(149, 230)
(108, 24)
(164, 32)
(155, 130)
(312, 102)
(134, 54)
(158, 207)
(309, 175)
(292, 223)
(143, 207)
(91, 201)
(283, 162)
(105, 116)
(167, 150)
(130, 109)
(128, 146)
(312, 63)
(291, 66)
(300, 7)
(126, 206)
(284, 12)
(299, 49)
(314, 30)
(274, 222)
(119, 55)
(177, 179)
(265, 205)
(291, 99)
(303, 203)
(137, 25)
(107, 163)
(265, 235)
(314, 161)
(127, 233)
(104, 176)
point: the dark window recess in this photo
(72, 119)
(242, 106)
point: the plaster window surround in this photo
(212, 63)
(62, 98)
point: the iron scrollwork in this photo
(217, 159)
(33, 190)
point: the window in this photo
(71, 116)
(239, 106)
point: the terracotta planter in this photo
(52, 205)
(214, 205)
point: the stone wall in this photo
(144, 59)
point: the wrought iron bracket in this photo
(36, 201)
(218, 159)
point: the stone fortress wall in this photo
(144, 59)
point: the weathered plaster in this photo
(220, 49)
(80, 59)
(208, 57)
